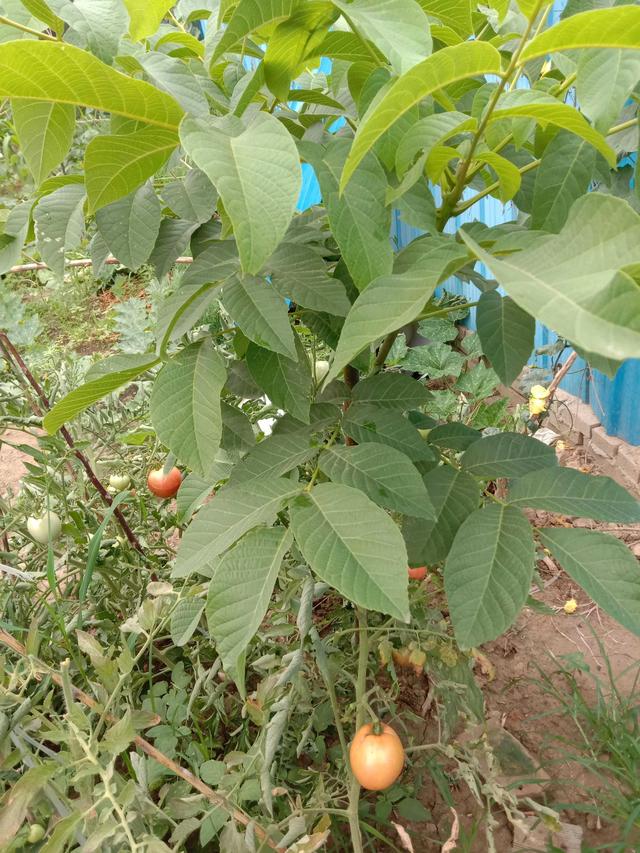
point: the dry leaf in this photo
(451, 843)
(403, 835)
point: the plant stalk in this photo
(23, 28)
(13, 357)
(361, 689)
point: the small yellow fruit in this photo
(570, 606)
(536, 406)
(539, 392)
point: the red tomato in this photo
(418, 574)
(164, 485)
(376, 759)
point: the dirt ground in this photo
(514, 696)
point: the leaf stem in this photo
(383, 352)
(23, 28)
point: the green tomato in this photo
(44, 527)
(36, 833)
(119, 481)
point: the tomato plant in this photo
(332, 475)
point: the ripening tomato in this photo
(418, 574)
(164, 485)
(36, 833)
(119, 481)
(320, 369)
(41, 528)
(376, 759)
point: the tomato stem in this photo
(361, 690)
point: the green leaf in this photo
(391, 302)
(250, 15)
(232, 512)
(364, 423)
(130, 227)
(59, 219)
(275, 455)
(454, 495)
(15, 232)
(563, 177)
(571, 492)
(452, 13)
(193, 198)
(173, 76)
(256, 170)
(436, 360)
(618, 27)
(347, 46)
(354, 546)
(385, 475)
(603, 566)
(428, 132)
(192, 492)
(62, 833)
(93, 550)
(198, 287)
(453, 436)
(185, 405)
(398, 28)
(53, 71)
(287, 383)
(97, 25)
(45, 132)
(418, 209)
(575, 281)
(546, 110)
(299, 273)
(18, 799)
(391, 391)
(146, 16)
(488, 573)
(291, 41)
(241, 589)
(359, 218)
(507, 454)
(77, 401)
(604, 79)
(116, 165)
(184, 620)
(261, 313)
(42, 12)
(172, 241)
(507, 334)
(507, 173)
(443, 68)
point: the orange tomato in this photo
(418, 574)
(164, 485)
(376, 759)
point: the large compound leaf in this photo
(618, 27)
(507, 334)
(130, 227)
(241, 588)
(287, 383)
(116, 165)
(428, 132)
(359, 219)
(261, 313)
(45, 133)
(575, 281)
(391, 302)
(172, 241)
(354, 546)
(563, 177)
(488, 573)
(299, 273)
(445, 66)
(232, 512)
(571, 492)
(385, 475)
(185, 405)
(391, 391)
(603, 566)
(398, 28)
(128, 368)
(250, 15)
(59, 219)
(452, 13)
(256, 170)
(174, 76)
(193, 198)
(365, 422)
(97, 25)
(454, 496)
(507, 454)
(61, 73)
